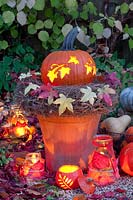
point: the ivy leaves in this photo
(65, 103)
(88, 95)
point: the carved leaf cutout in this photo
(65, 182)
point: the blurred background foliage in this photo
(30, 29)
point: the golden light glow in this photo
(68, 168)
(19, 131)
(73, 59)
(58, 69)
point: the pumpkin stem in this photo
(70, 38)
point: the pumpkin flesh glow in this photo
(126, 159)
(67, 176)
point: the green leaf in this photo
(130, 31)
(20, 50)
(92, 8)
(3, 44)
(43, 36)
(29, 58)
(66, 28)
(14, 32)
(92, 39)
(55, 3)
(124, 8)
(39, 5)
(97, 28)
(60, 20)
(60, 39)
(48, 13)
(7, 60)
(71, 4)
(32, 17)
(65, 103)
(84, 15)
(2, 2)
(56, 30)
(31, 29)
(74, 14)
(111, 22)
(48, 23)
(39, 24)
(17, 66)
(8, 17)
(130, 43)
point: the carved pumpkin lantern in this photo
(33, 167)
(68, 66)
(67, 176)
(126, 159)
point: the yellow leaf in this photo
(65, 103)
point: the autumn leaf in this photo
(86, 185)
(46, 91)
(31, 86)
(107, 99)
(104, 93)
(65, 103)
(88, 95)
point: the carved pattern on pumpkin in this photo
(56, 68)
(90, 68)
(65, 182)
(73, 59)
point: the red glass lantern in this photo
(67, 176)
(126, 159)
(102, 166)
(33, 167)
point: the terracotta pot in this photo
(68, 140)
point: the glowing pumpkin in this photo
(67, 176)
(126, 159)
(129, 134)
(68, 66)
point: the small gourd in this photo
(116, 125)
(126, 99)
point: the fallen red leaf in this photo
(86, 185)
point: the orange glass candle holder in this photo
(33, 167)
(67, 176)
(102, 166)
